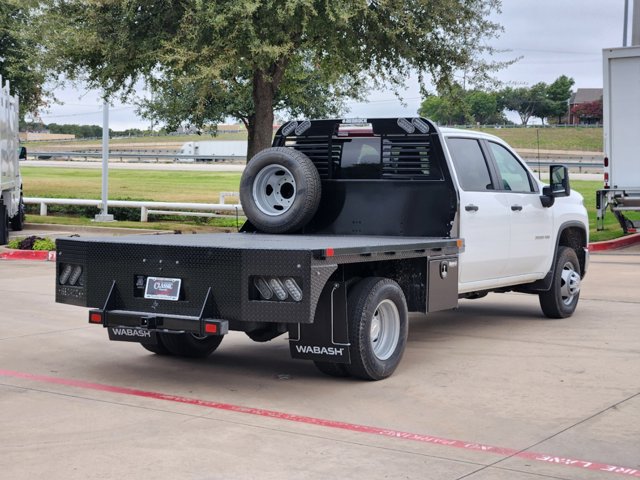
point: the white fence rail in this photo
(146, 208)
(140, 156)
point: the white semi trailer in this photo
(11, 205)
(621, 119)
(213, 150)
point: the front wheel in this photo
(190, 345)
(561, 300)
(378, 328)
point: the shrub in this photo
(32, 243)
(45, 244)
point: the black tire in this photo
(159, 348)
(190, 345)
(561, 300)
(17, 222)
(280, 190)
(378, 328)
(332, 369)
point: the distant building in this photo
(580, 97)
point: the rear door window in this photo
(470, 164)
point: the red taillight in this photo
(95, 317)
(606, 179)
(211, 328)
(606, 161)
(329, 252)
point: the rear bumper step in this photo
(161, 322)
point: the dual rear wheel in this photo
(378, 323)
(187, 345)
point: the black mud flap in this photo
(327, 338)
(133, 334)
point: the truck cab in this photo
(512, 222)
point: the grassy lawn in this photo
(151, 185)
(198, 187)
(559, 138)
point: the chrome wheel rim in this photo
(570, 283)
(274, 190)
(384, 331)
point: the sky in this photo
(552, 37)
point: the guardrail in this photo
(534, 164)
(141, 157)
(147, 208)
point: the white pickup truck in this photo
(11, 205)
(349, 229)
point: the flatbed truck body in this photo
(348, 230)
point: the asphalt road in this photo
(490, 391)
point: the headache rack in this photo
(403, 148)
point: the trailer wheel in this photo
(280, 190)
(561, 300)
(332, 369)
(159, 348)
(17, 222)
(191, 345)
(378, 327)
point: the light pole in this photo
(104, 215)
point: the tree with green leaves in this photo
(19, 62)
(540, 100)
(448, 108)
(456, 106)
(559, 93)
(205, 61)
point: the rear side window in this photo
(470, 164)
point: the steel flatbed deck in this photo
(321, 246)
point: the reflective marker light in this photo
(211, 328)
(263, 287)
(95, 317)
(278, 288)
(75, 276)
(66, 273)
(293, 289)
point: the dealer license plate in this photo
(159, 288)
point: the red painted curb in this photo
(334, 424)
(28, 255)
(615, 243)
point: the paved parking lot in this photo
(490, 391)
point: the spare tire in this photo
(280, 190)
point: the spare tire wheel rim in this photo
(274, 190)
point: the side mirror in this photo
(547, 199)
(559, 180)
(22, 155)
